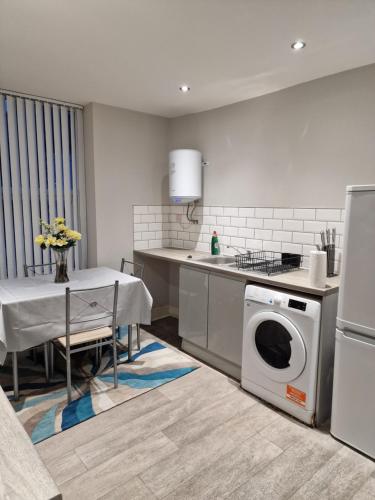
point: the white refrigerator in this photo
(353, 403)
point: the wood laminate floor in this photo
(203, 437)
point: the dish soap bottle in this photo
(215, 248)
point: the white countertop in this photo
(297, 280)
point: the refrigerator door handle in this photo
(360, 337)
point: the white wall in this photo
(298, 147)
(126, 164)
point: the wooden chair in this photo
(33, 270)
(102, 318)
(137, 270)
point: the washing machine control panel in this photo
(297, 304)
(278, 299)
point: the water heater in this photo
(185, 175)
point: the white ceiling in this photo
(135, 53)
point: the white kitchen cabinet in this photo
(193, 305)
(225, 317)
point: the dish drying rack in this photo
(268, 262)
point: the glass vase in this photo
(61, 259)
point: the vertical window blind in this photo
(41, 177)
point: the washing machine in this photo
(281, 349)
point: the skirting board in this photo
(160, 312)
(211, 359)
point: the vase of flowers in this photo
(57, 236)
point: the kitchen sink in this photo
(220, 259)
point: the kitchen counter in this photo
(297, 280)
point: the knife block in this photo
(330, 250)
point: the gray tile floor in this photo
(202, 437)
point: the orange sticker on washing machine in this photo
(296, 395)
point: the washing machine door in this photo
(279, 350)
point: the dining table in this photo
(32, 310)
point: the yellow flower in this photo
(73, 235)
(59, 220)
(50, 241)
(61, 242)
(39, 240)
(60, 228)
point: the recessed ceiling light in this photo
(298, 45)
(184, 88)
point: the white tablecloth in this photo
(33, 309)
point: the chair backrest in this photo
(38, 269)
(132, 268)
(91, 309)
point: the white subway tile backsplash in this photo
(291, 247)
(176, 226)
(148, 235)
(224, 240)
(264, 213)
(209, 219)
(273, 246)
(238, 242)
(181, 235)
(313, 226)
(177, 209)
(140, 209)
(305, 238)
(148, 218)
(231, 211)
(216, 211)
(273, 224)
(338, 225)
(238, 221)
(203, 247)
(155, 209)
(263, 234)
(223, 221)
(246, 212)
(140, 245)
(177, 243)
(282, 235)
(283, 213)
(140, 227)
(254, 223)
(304, 213)
(194, 236)
(294, 230)
(253, 244)
(329, 214)
(230, 231)
(155, 226)
(154, 243)
(293, 225)
(246, 232)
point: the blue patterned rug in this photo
(42, 407)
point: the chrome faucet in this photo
(237, 249)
